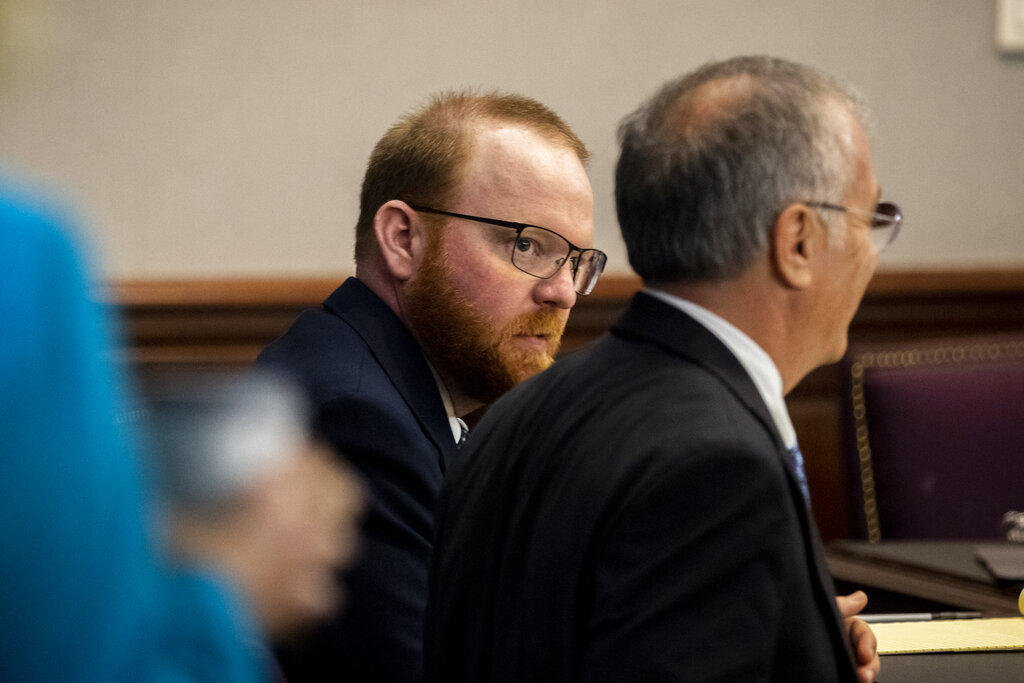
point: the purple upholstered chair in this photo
(935, 437)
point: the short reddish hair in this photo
(419, 158)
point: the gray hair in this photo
(709, 162)
(215, 437)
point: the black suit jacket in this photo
(378, 404)
(631, 515)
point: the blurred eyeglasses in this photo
(541, 252)
(885, 221)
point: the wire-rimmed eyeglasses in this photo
(885, 221)
(541, 252)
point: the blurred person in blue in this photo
(238, 475)
(88, 595)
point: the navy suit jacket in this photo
(631, 515)
(378, 404)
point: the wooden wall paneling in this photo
(898, 306)
(184, 326)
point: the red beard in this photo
(483, 360)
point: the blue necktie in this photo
(801, 475)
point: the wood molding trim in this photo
(133, 294)
(311, 290)
(947, 281)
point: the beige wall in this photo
(209, 138)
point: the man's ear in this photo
(794, 246)
(400, 238)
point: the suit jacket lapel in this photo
(656, 322)
(399, 355)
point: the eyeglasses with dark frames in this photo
(885, 221)
(541, 252)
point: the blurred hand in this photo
(862, 638)
(283, 540)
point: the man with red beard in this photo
(472, 244)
